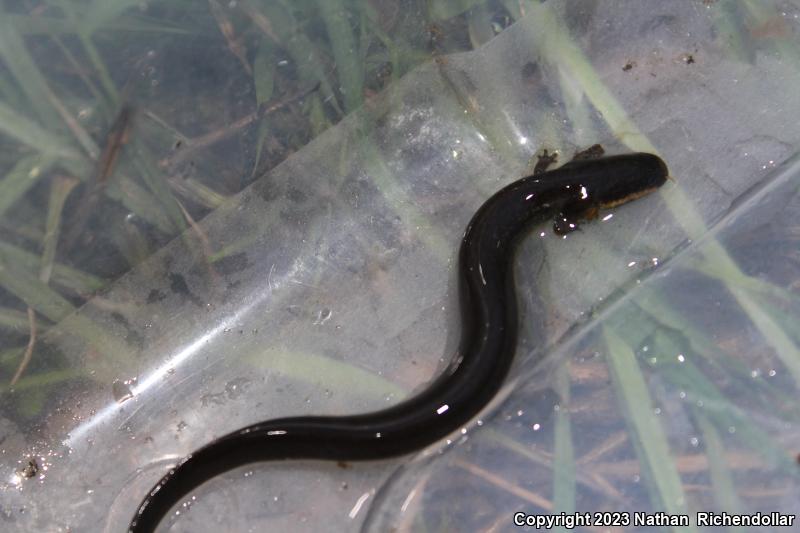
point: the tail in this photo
(355, 438)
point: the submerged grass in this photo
(648, 435)
(54, 123)
(61, 88)
(564, 478)
(649, 439)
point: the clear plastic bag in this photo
(330, 290)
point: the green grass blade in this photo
(644, 425)
(14, 320)
(564, 480)
(34, 293)
(22, 177)
(102, 12)
(70, 278)
(60, 188)
(158, 186)
(32, 135)
(264, 72)
(337, 375)
(300, 48)
(141, 202)
(37, 381)
(345, 51)
(50, 26)
(722, 481)
(18, 60)
(85, 37)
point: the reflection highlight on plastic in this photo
(357, 507)
(175, 360)
(156, 375)
(407, 501)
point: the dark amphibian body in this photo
(570, 193)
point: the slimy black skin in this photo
(488, 339)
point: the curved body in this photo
(486, 350)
